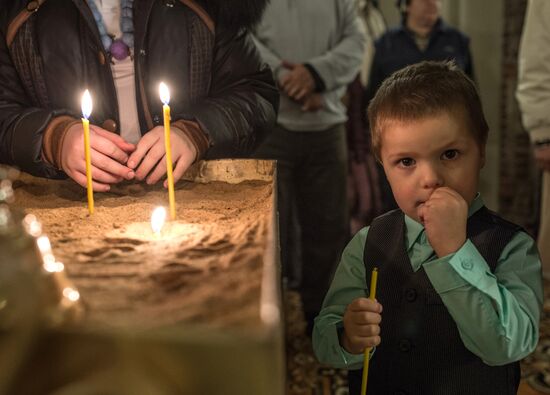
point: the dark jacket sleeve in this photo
(243, 100)
(21, 124)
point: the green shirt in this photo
(497, 314)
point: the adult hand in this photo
(298, 82)
(542, 157)
(312, 103)
(149, 158)
(108, 153)
(361, 325)
(444, 216)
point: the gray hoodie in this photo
(328, 35)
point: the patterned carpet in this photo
(305, 376)
(535, 369)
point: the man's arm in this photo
(340, 65)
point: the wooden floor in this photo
(525, 389)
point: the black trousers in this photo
(312, 203)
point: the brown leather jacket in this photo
(202, 49)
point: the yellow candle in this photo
(165, 98)
(372, 295)
(86, 111)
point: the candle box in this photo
(193, 310)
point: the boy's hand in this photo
(108, 152)
(361, 325)
(150, 155)
(444, 216)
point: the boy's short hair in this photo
(426, 89)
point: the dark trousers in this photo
(312, 203)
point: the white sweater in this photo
(533, 92)
(329, 36)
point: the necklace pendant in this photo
(119, 50)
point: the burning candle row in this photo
(68, 295)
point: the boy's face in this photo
(423, 155)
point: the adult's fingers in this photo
(106, 164)
(152, 158)
(182, 165)
(80, 178)
(106, 147)
(158, 172)
(143, 146)
(115, 139)
(285, 80)
(302, 92)
(293, 90)
(104, 177)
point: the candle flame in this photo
(164, 93)
(86, 104)
(31, 224)
(52, 266)
(157, 219)
(72, 294)
(44, 244)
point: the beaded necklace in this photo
(119, 48)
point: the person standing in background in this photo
(315, 48)
(422, 35)
(533, 94)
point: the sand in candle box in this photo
(206, 267)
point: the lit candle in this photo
(157, 220)
(372, 295)
(32, 226)
(71, 294)
(86, 111)
(165, 98)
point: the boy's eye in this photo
(450, 154)
(406, 162)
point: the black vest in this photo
(421, 352)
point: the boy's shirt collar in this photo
(415, 230)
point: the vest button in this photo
(404, 345)
(109, 125)
(410, 295)
(156, 119)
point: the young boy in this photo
(460, 287)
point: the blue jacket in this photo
(397, 49)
